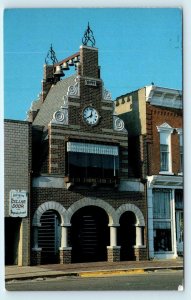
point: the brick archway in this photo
(133, 208)
(47, 206)
(93, 202)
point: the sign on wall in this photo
(18, 203)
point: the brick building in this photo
(17, 166)
(82, 204)
(153, 118)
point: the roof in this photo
(53, 101)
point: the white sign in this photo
(90, 82)
(18, 204)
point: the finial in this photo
(51, 55)
(88, 37)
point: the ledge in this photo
(113, 247)
(65, 248)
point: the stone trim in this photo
(133, 208)
(95, 202)
(84, 134)
(46, 206)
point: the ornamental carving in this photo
(106, 95)
(118, 124)
(60, 116)
(65, 102)
(73, 90)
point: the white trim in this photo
(164, 97)
(166, 173)
(165, 181)
(92, 148)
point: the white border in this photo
(186, 5)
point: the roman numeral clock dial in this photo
(90, 116)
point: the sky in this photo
(137, 46)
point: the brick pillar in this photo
(36, 257)
(65, 255)
(140, 253)
(113, 253)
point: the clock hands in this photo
(89, 115)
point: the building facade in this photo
(153, 118)
(17, 166)
(84, 207)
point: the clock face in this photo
(90, 115)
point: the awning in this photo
(92, 148)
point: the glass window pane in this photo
(88, 165)
(164, 157)
(161, 204)
(162, 240)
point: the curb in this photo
(98, 273)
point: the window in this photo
(165, 132)
(164, 157)
(179, 130)
(162, 220)
(92, 160)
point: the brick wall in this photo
(17, 166)
(156, 116)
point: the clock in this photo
(90, 115)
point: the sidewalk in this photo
(90, 269)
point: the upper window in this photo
(179, 130)
(92, 161)
(165, 132)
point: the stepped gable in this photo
(53, 101)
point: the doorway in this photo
(127, 236)
(49, 237)
(12, 237)
(179, 231)
(89, 235)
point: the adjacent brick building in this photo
(153, 118)
(17, 158)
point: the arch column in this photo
(140, 249)
(65, 251)
(139, 238)
(113, 236)
(113, 251)
(36, 251)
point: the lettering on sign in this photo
(90, 82)
(18, 203)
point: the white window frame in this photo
(166, 220)
(179, 130)
(165, 131)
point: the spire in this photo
(88, 37)
(51, 55)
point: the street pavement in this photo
(90, 269)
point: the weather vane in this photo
(51, 55)
(88, 37)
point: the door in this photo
(179, 231)
(127, 236)
(89, 235)
(49, 235)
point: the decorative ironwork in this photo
(88, 37)
(51, 55)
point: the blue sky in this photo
(136, 47)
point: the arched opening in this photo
(127, 235)
(49, 235)
(89, 234)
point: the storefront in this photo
(165, 216)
